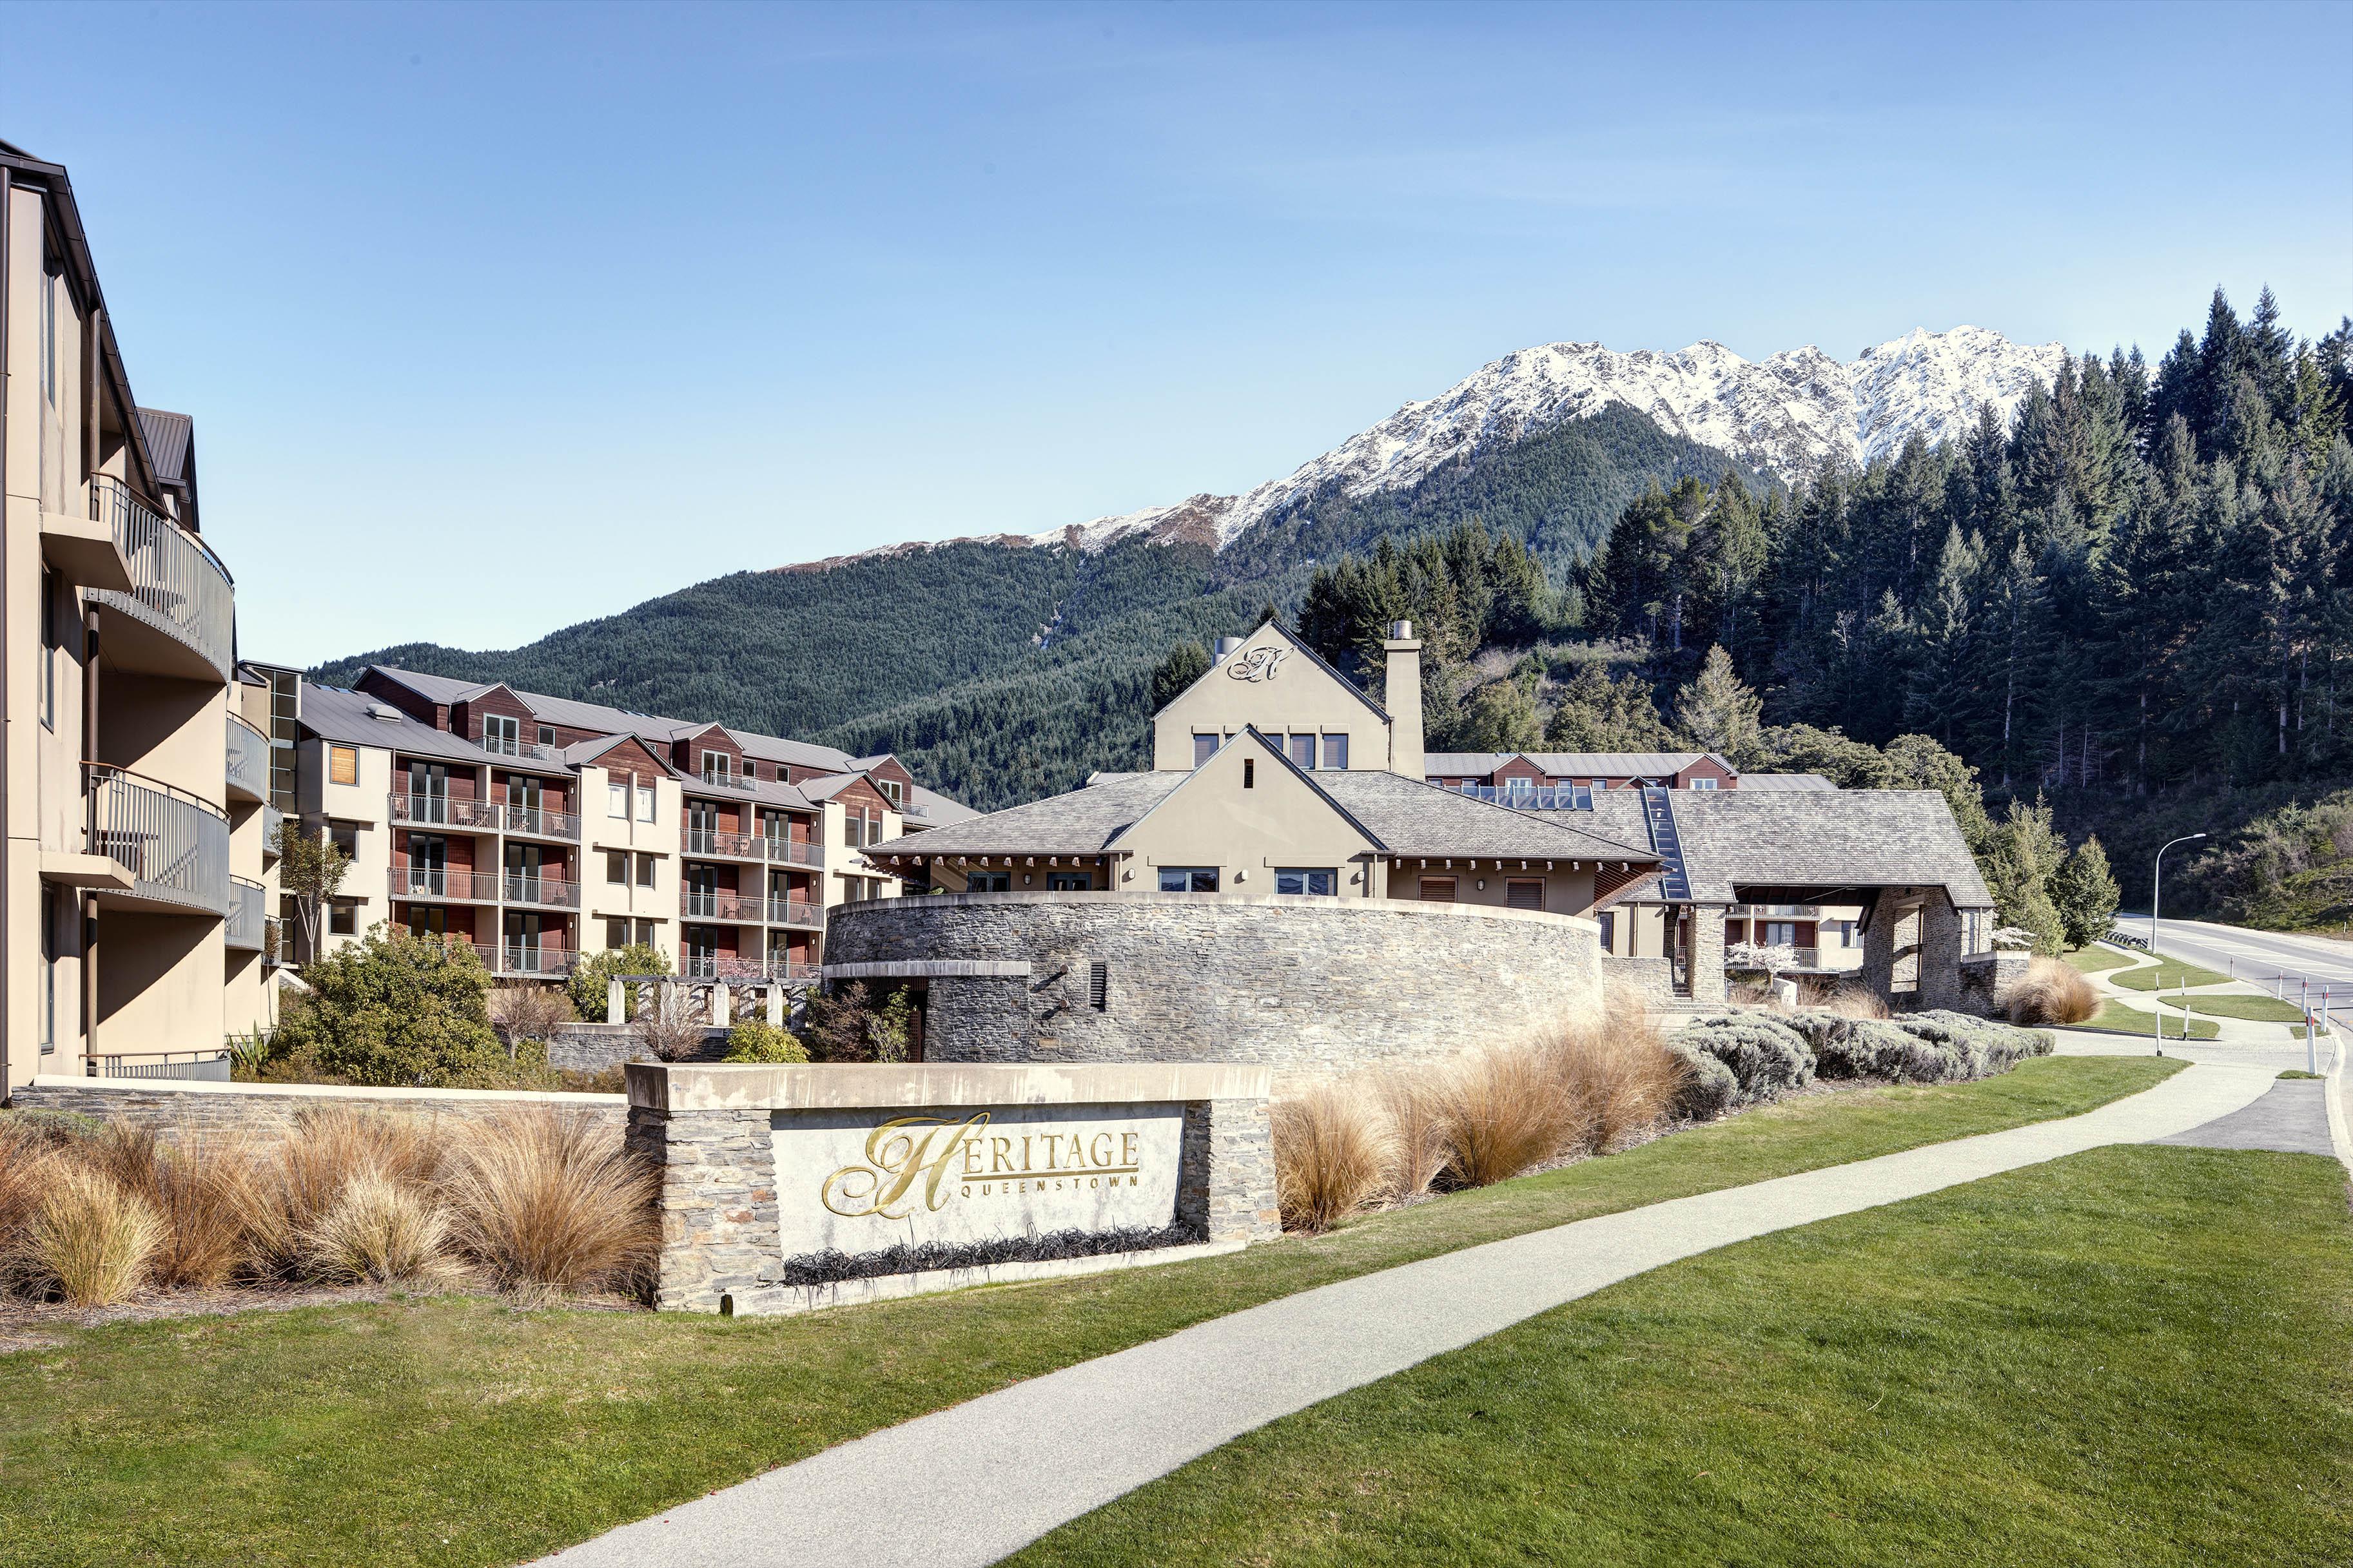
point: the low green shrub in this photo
(757, 1040)
(1766, 1058)
(1872, 1048)
(593, 977)
(393, 1009)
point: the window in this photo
(1438, 889)
(343, 917)
(346, 836)
(1703, 783)
(1320, 880)
(1098, 986)
(51, 271)
(645, 934)
(718, 767)
(616, 932)
(50, 953)
(1188, 878)
(1068, 881)
(645, 803)
(979, 881)
(49, 649)
(1203, 748)
(853, 828)
(1250, 772)
(343, 764)
(1523, 893)
(501, 734)
(645, 870)
(1302, 751)
(1609, 919)
(616, 867)
(751, 770)
(1780, 933)
(617, 799)
(1335, 751)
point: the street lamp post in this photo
(2156, 896)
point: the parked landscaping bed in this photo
(455, 1430)
(2133, 1356)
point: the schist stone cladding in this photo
(1296, 984)
(764, 1168)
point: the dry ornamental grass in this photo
(2053, 992)
(547, 1202)
(90, 1237)
(1335, 1151)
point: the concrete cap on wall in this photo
(721, 1086)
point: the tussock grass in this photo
(305, 1175)
(1335, 1151)
(379, 1232)
(1414, 1101)
(1616, 1073)
(201, 1190)
(90, 1237)
(547, 1202)
(2051, 992)
(1506, 1110)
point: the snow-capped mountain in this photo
(1786, 415)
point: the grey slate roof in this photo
(1407, 817)
(1841, 839)
(1569, 764)
(1785, 781)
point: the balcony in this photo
(442, 884)
(541, 963)
(793, 912)
(273, 830)
(1774, 911)
(715, 844)
(550, 892)
(534, 822)
(175, 846)
(179, 617)
(795, 852)
(411, 809)
(696, 903)
(501, 746)
(732, 783)
(249, 916)
(721, 966)
(249, 762)
(1747, 958)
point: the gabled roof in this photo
(356, 719)
(1251, 733)
(437, 689)
(1298, 643)
(1827, 838)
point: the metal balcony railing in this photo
(795, 852)
(1775, 911)
(718, 842)
(273, 829)
(457, 885)
(501, 746)
(175, 846)
(794, 912)
(249, 760)
(517, 959)
(723, 966)
(442, 811)
(698, 904)
(249, 916)
(539, 823)
(555, 893)
(177, 584)
(735, 784)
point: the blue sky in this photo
(496, 318)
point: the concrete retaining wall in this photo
(1319, 985)
(268, 1110)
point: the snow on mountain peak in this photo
(1788, 415)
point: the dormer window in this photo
(751, 770)
(718, 768)
(890, 792)
(501, 734)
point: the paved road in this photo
(969, 1485)
(2258, 955)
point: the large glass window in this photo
(978, 881)
(1188, 878)
(1703, 783)
(1780, 933)
(1068, 881)
(50, 948)
(718, 767)
(1314, 879)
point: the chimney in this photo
(1403, 700)
(1227, 648)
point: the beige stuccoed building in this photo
(136, 883)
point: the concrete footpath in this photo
(971, 1484)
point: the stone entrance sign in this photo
(765, 1170)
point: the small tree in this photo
(311, 866)
(2085, 892)
(592, 978)
(1185, 663)
(1717, 713)
(667, 1032)
(396, 1009)
(853, 1027)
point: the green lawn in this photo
(2169, 972)
(2122, 1020)
(2097, 960)
(454, 1430)
(2262, 1009)
(2134, 1357)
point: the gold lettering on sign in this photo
(899, 1152)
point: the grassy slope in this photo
(2096, 960)
(2168, 972)
(2262, 1009)
(2120, 1019)
(456, 1431)
(2136, 1356)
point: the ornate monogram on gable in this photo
(1257, 664)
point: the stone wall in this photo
(268, 1110)
(1652, 977)
(1294, 984)
(593, 1048)
(1987, 979)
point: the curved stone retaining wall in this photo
(1293, 983)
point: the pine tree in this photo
(1942, 696)
(2085, 892)
(1718, 713)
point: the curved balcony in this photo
(175, 846)
(249, 916)
(249, 762)
(179, 618)
(549, 892)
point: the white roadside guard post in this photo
(2156, 901)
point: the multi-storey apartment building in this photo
(540, 828)
(136, 864)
